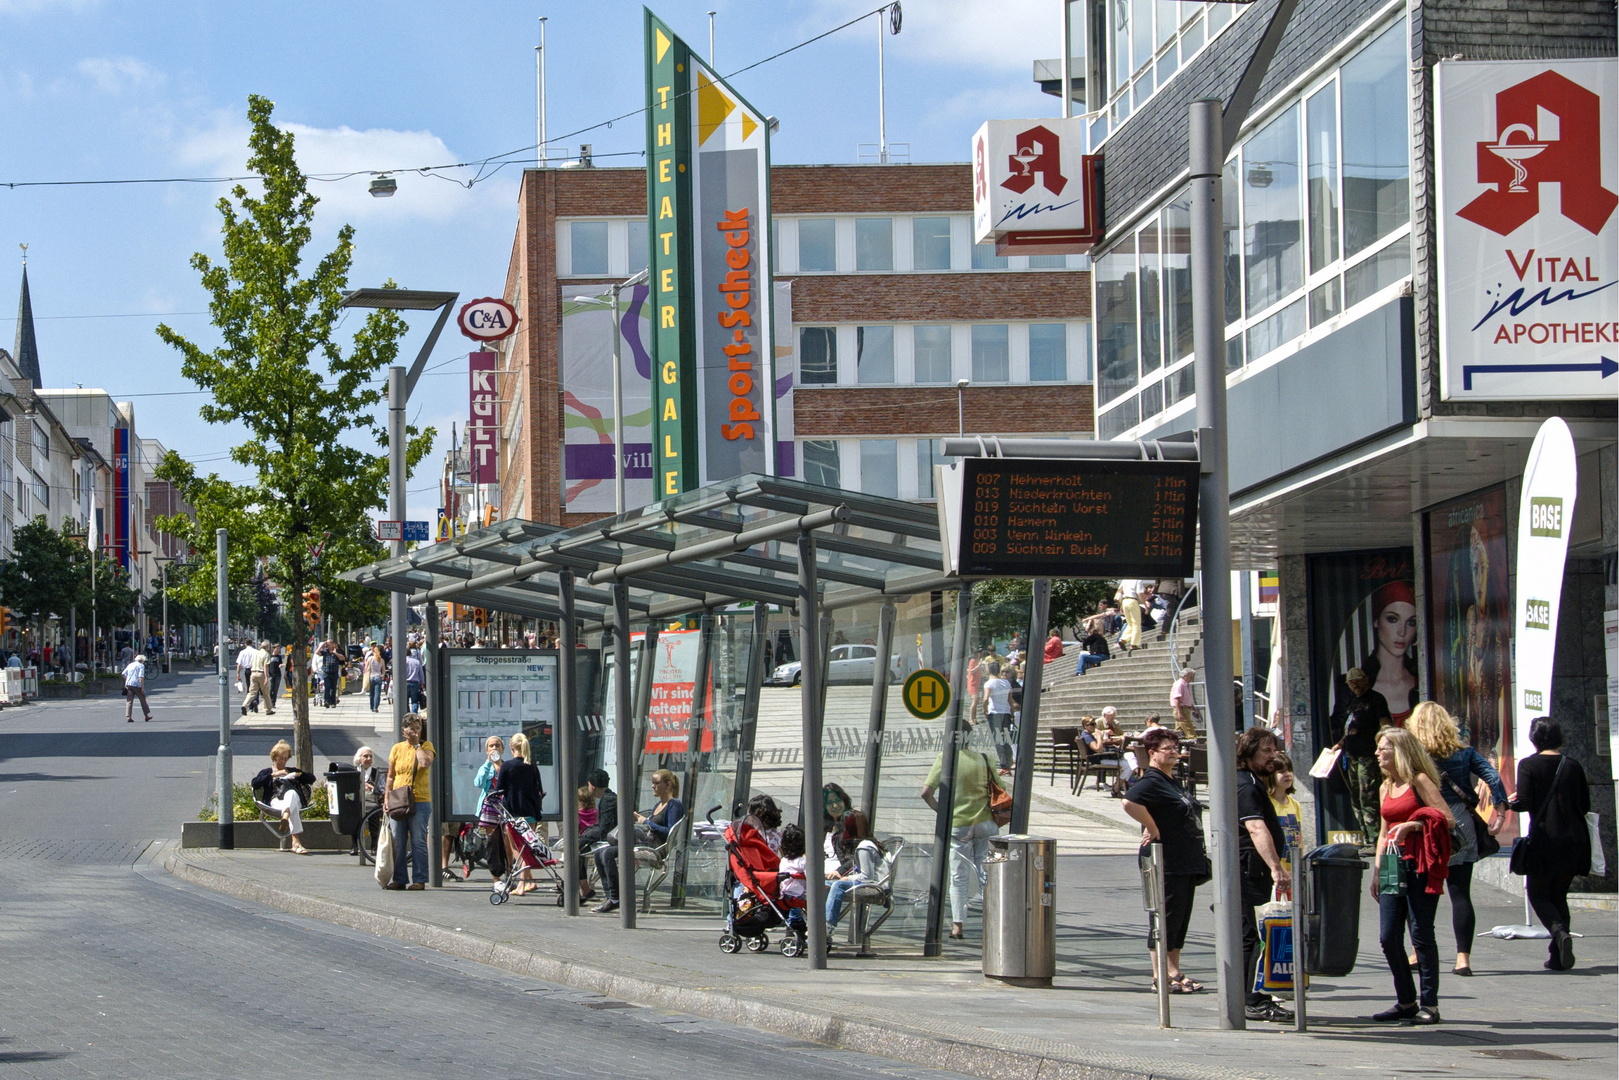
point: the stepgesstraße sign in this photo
(1028, 517)
(1528, 234)
(1035, 191)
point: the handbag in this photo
(1487, 844)
(385, 855)
(1000, 802)
(1519, 861)
(400, 801)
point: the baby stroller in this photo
(532, 852)
(753, 895)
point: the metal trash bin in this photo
(1333, 936)
(343, 797)
(1020, 939)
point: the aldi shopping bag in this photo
(1275, 969)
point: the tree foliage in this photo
(1002, 607)
(307, 404)
(41, 579)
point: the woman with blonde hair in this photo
(1408, 884)
(1458, 765)
(285, 791)
(518, 782)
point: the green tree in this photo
(1003, 606)
(40, 580)
(304, 401)
(105, 590)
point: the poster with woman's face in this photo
(1378, 634)
(1470, 619)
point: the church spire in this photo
(26, 349)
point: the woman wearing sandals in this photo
(1415, 837)
(1170, 816)
(287, 790)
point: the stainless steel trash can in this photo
(1020, 939)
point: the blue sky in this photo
(104, 90)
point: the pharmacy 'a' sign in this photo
(1528, 233)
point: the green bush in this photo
(245, 809)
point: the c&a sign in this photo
(1528, 234)
(1035, 191)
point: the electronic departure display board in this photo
(1028, 517)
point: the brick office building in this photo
(891, 305)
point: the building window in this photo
(1116, 321)
(1048, 262)
(1273, 226)
(927, 456)
(42, 442)
(932, 354)
(1321, 154)
(1152, 346)
(818, 355)
(1177, 260)
(589, 247)
(639, 251)
(879, 467)
(984, 258)
(817, 245)
(42, 492)
(821, 462)
(930, 243)
(874, 354)
(992, 355)
(1048, 352)
(874, 244)
(1376, 141)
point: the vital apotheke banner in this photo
(1544, 515)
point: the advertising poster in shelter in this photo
(1470, 621)
(499, 693)
(674, 685)
(1363, 614)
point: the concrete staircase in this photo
(1136, 685)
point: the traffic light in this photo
(480, 617)
(312, 607)
(5, 620)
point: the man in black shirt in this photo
(1360, 715)
(1259, 847)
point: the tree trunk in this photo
(298, 679)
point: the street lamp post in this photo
(163, 562)
(618, 384)
(961, 407)
(400, 384)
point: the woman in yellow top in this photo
(971, 826)
(408, 763)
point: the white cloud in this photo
(333, 152)
(118, 74)
(1008, 35)
(33, 7)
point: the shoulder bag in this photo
(1000, 802)
(400, 802)
(1519, 863)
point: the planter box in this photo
(62, 690)
(317, 836)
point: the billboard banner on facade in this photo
(708, 207)
(1545, 512)
(1528, 236)
(1035, 189)
(1470, 622)
(483, 429)
(587, 403)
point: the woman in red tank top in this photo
(1410, 782)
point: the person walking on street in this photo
(244, 665)
(1170, 816)
(331, 674)
(415, 679)
(1260, 843)
(409, 762)
(1413, 856)
(272, 673)
(1180, 701)
(1129, 597)
(374, 672)
(1553, 790)
(971, 826)
(135, 687)
(1360, 715)
(998, 707)
(258, 683)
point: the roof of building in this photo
(26, 350)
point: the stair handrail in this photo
(1174, 623)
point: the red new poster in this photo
(674, 679)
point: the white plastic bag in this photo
(385, 853)
(1599, 862)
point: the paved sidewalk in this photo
(1513, 1020)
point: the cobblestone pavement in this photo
(111, 973)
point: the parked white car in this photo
(846, 664)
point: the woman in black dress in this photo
(1170, 816)
(1553, 790)
(519, 785)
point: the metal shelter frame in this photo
(759, 539)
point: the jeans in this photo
(1418, 908)
(969, 846)
(835, 892)
(1000, 726)
(376, 692)
(413, 692)
(1088, 660)
(607, 869)
(410, 835)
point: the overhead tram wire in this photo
(482, 165)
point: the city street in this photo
(109, 967)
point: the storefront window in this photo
(932, 353)
(1377, 151)
(1273, 234)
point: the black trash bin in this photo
(1336, 872)
(343, 795)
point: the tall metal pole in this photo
(877, 719)
(163, 571)
(438, 731)
(396, 511)
(93, 635)
(618, 411)
(539, 78)
(943, 819)
(1067, 63)
(1028, 730)
(567, 743)
(882, 101)
(624, 736)
(711, 39)
(227, 819)
(810, 702)
(1214, 532)
(1246, 583)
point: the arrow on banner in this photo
(1605, 366)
